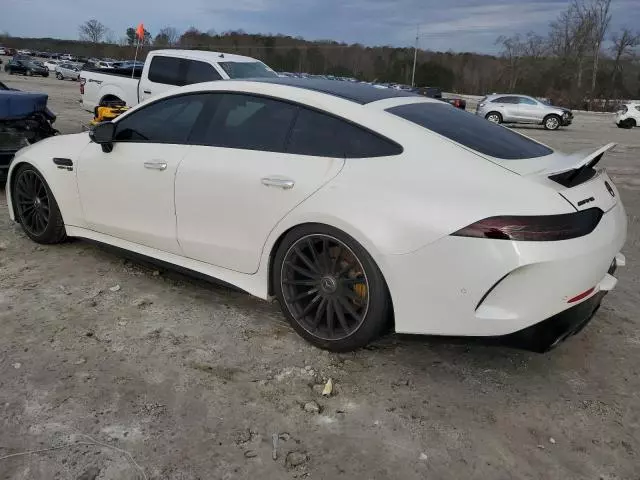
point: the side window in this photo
(506, 100)
(323, 135)
(198, 72)
(165, 121)
(526, 101)
(249, 122)
(638, 107)
(165, 70)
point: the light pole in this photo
(415, 57)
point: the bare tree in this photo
(167, 37)
(512, 51)
(601, 19)
(92, 31)
(571, 37)
(623, 45)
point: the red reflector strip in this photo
(582, 295)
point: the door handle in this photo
(155, 165)
(146, 91)
(284, 183)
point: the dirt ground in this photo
(176, 378)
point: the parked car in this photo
(67, 70)
(509, 108)
(352, 205)
(3, 51)
(51, 65)
(26, 67)
(24, 120)
(164, 70)
(628, 116)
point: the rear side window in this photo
(248, 122)
(471, 131)
(247, 69)
(165, 121)
(165, 70)
(526, 101)
(323, 135)
(505, 100)
(198, 72)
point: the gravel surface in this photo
(168, 377)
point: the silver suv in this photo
(509, 108)
(67, 70)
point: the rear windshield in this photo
(247, 70)
(471, 131)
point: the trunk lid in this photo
(573, 176)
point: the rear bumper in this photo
(549, 333)
(491, 288)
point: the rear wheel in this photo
(494, 117)
(36, 207)
(551, 122)
(627, 123)
(29, 73)
(330, 289)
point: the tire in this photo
(315, 294)
(59, 76)
(36, 207)
(494, 117)
(29, 73)
(552, 122)
(629, 123)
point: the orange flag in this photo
(140, 31)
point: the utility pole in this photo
(415, 56)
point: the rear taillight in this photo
(82, 82)
(535, 228)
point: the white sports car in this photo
(354, 206)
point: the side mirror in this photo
(103, 134)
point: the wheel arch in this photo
(358, 237)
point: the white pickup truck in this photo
(163, 70)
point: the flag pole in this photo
(135, 58)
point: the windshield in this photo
(471, 131)
(247, 69)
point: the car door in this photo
(529, 111)
(232, 190)
(255, 170)
(128, 192)
(504, 106)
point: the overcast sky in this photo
(459, 25)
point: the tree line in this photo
(578, 62)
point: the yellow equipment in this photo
(106, 113)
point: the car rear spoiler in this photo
(579, 171)
(577, 160)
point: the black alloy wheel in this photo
(36, 207)
(331, 290)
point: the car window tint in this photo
(504, 100)
(471, 131)
(322, 135)
(526, 101)
(249, 122)
(165, 121)
(165, 70)
(198, 72)
(638, 107)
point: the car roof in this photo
(204, 55)
(356, 92)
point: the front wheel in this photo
(59, 76)
(551, 122)
(494, 117)
(36, 207)
(330, 289)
